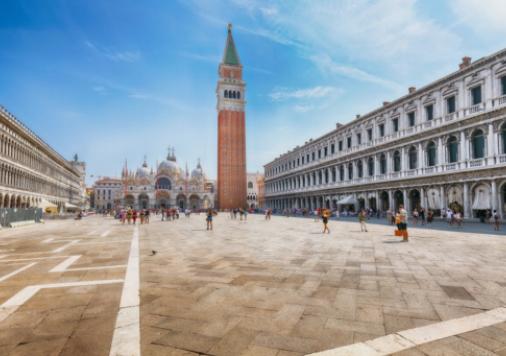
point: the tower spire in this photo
(230, 56)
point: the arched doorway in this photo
(415, 199)
(181, 201)
(194, 202)
(361, 203)
(206, 203)
(481, 201)
(455, 199)
(129, 201)
(162, 199)
(143, 201)
(384, 201)
(503, 200)
(372, 203)
(398, 199)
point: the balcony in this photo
(410, 173)
(451, 166)
(475, 109)
(477, 162)
(500, 101)
(452, 116)
(429, 170)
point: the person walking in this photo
(403, 222)
(325, 219)
(415, 217)
(129, 215)
(134, 216)
(209, 219)
(361, 219)
(497, 221)
(422, 215)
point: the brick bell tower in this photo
(231, 129)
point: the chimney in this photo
(385, 103)
(466, 62)
(357, 116)
(411, 90)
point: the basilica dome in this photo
(198, 172)
(142, 172)
(169, 165)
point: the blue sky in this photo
(122, 79)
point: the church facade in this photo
(441, 146)
(166, 186)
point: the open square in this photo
(252, 287)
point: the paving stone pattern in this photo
(259, 287)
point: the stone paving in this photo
(259, 287)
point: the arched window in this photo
(360, 169)
(383, 164)
(431, 154)
(397, 161)
(163, 183)
(250, 185)
(233, 94)
(503, 137)
(238, 95)
(453, 149)
(370, 166)
(478, 144)
(413, 158)
(350, 171)
(226, 93)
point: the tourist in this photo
(134, 216)
(141, 216)
(415, 217)
(325, 219)
(449, 216)
(146, 216)
(458, 218)
(241, 213)
(403, 222)
(209, 219)
(361, 219)
(129, 215)
(497, 221)
(430, 216)
(422, 215)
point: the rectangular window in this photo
(302, 159)
(340, 145)
(325, 151)
(395, 125)
(411, 119)
(298, 162)
(503, 85)
(429, 112)
(450, 105)
(476, 95)
(369, 134)
(312, 156)
(307, 158)
(348, 142)
(319, 154)
(359, 139)
(332, 149)
(381, 129)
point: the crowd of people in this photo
(131, 215)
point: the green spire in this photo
(230, 56)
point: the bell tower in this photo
(231, 129)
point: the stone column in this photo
(406, 201)
(440, 153)
(421, 161)
(495, 197)
(467, 196)
(443, 197)
(491, 147)
(391, 204)
(423, 198)
(463, 149)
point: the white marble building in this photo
(167, 186)
(443, 145)
(253, 189)
(32, 173)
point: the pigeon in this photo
(153, 252)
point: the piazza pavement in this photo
(255, 287)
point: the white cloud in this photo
(113, 55)
(481, 16)
(308, 93)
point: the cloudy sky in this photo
(115, 80)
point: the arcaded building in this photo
(441, 146)
(230, 93)
(32, 173)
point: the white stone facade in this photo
(253, 189)
(167, 186)
(442, 146)
(32, 173)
